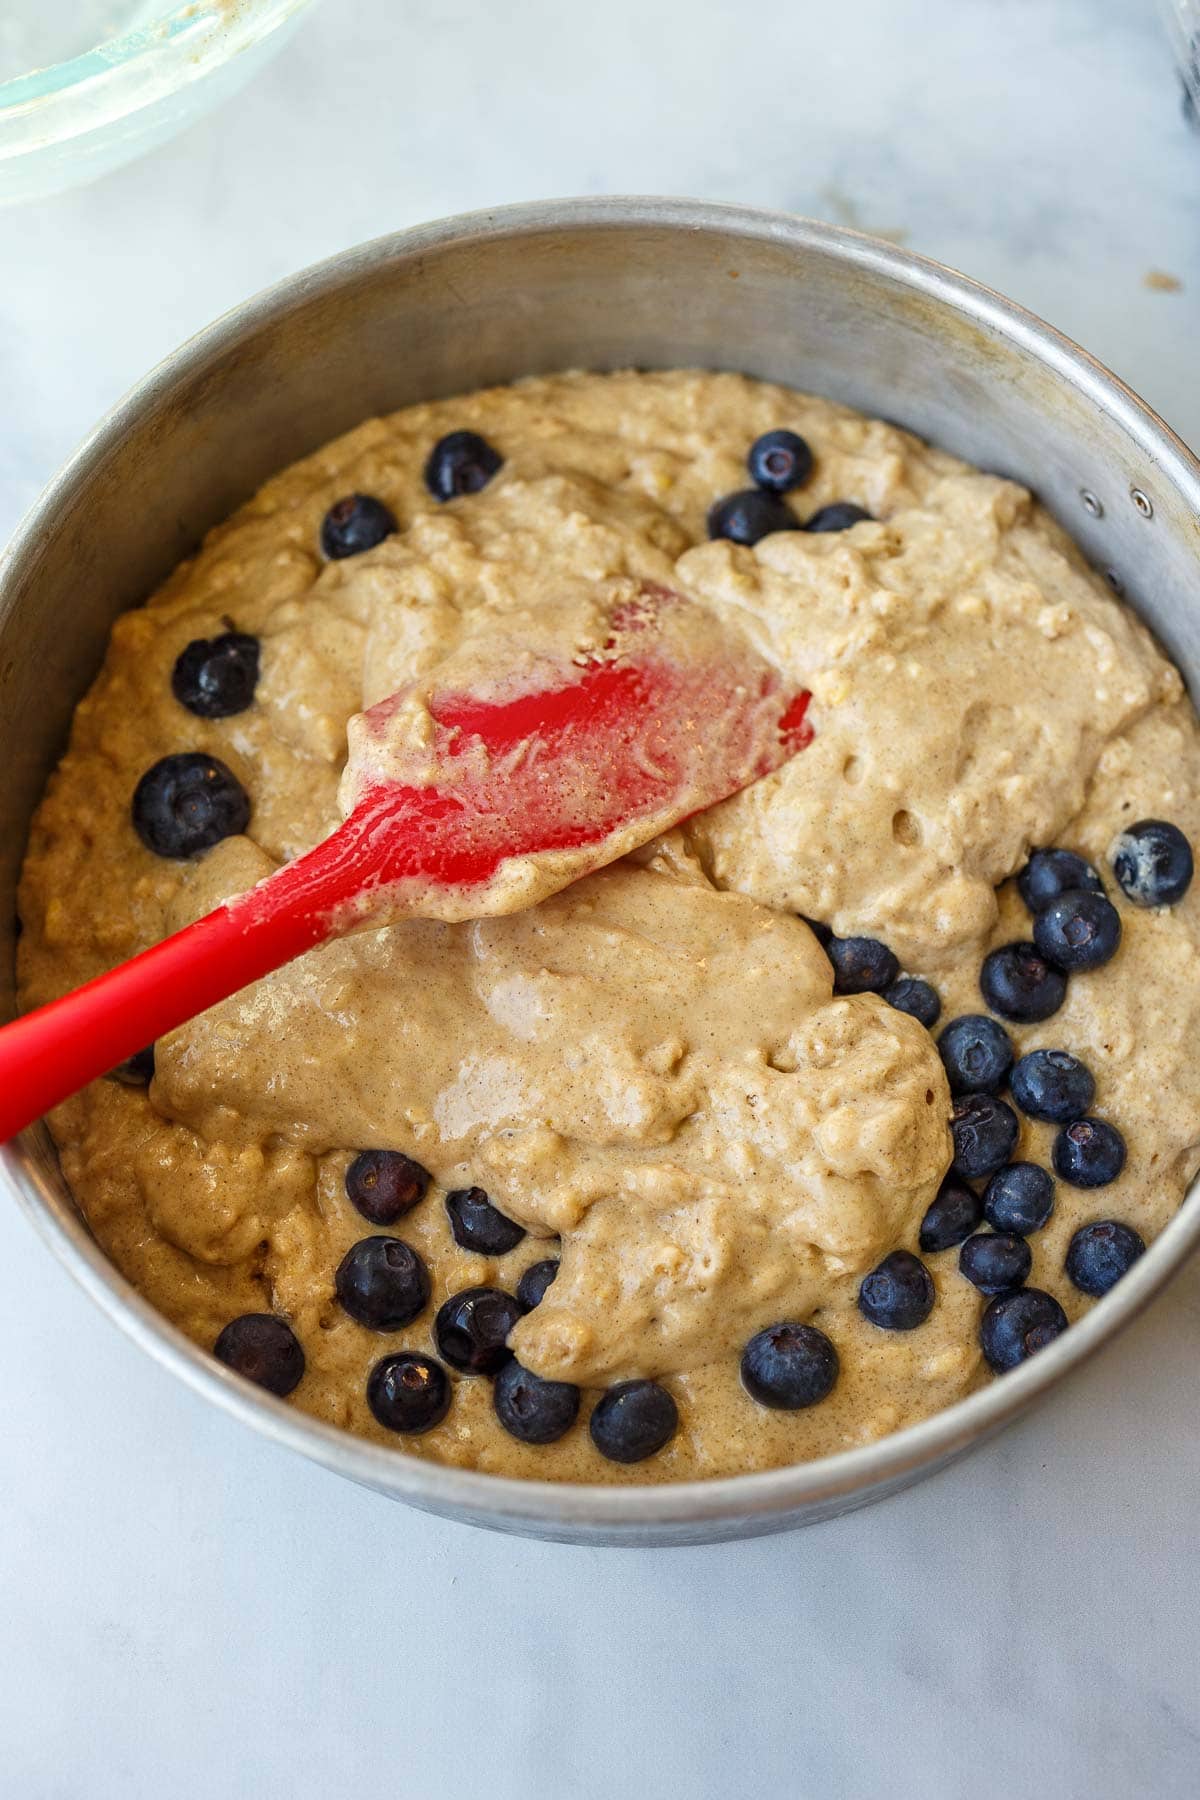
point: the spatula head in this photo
(469, 800)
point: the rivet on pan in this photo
(1114, 581)
(1091, 504)
(1142, 502)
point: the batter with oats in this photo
(778, 1135)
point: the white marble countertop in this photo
(186, 1611)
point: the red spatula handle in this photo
(58, 1049)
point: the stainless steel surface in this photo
(602, 284)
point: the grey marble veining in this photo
(184, 1610)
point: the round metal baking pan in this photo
(486, 298)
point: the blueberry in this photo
(1020, 984)
(915, 997)
(460, 463)
(1016, 1325)
(861, 965)
(953, 1214)
(899, 1294)
(633, 1420)
(1089, 1154)
(382, 1282)
(746, 517)
(789, 1366)
(533, 1410)
(408, 1392)
(384, 1184)
(1019, 1198)
(264, 1349)
(216, 677)
(477, 1225)
(839, 516)
(1049, 873)
(985, 1132)
(1153, 863)
(977, 1054)
(354, 524)
(187, 803)
(1050, 1085)
(779, 461)
(1079, 930)
(471, 1329)
(1100, 1253)
(531, 1289)
(137, 1070)
(995, 1261)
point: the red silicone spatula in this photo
(519, 790)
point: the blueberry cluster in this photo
(460, 463)
(862, 965)
(383, 1285)
(1075, 928)
(778, 463)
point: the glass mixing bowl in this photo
(1182, 19)
(118, 77)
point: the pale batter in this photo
(652, 1065)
